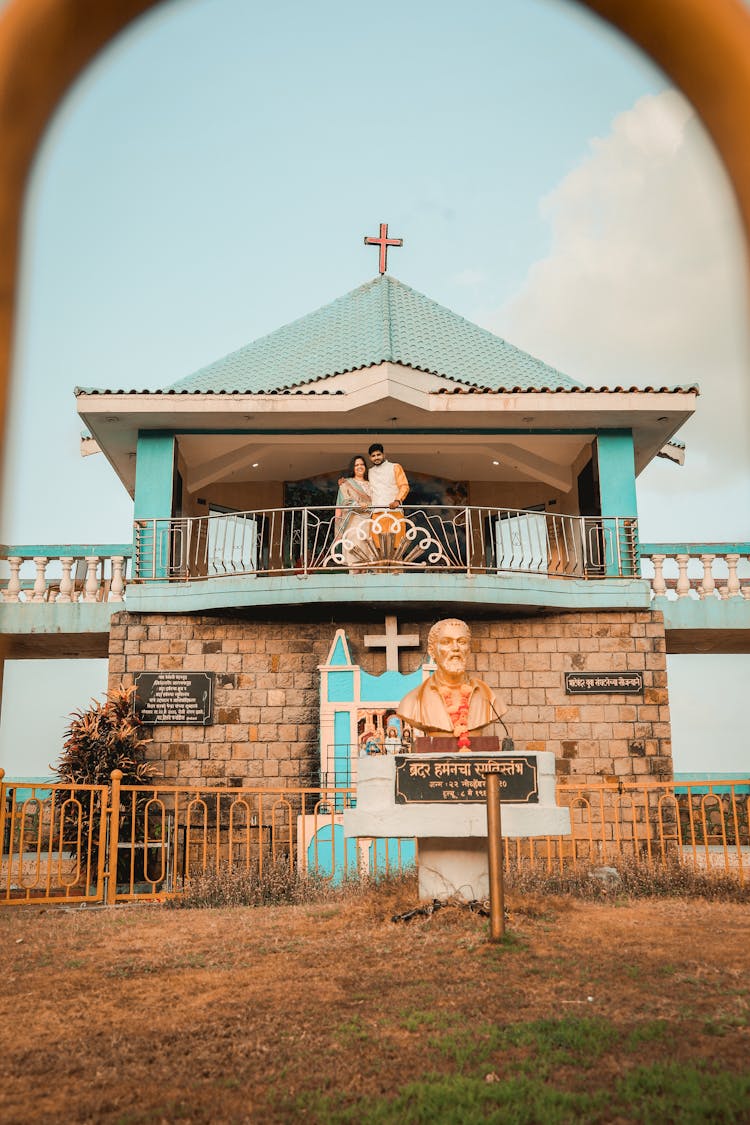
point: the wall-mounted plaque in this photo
(462, 779)
(604, 683)
(174, 697)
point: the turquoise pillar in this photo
(154, 485)
(616, 464)
(342, 751)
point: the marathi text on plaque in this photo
(451, 780)
(178, 698)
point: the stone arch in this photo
(703, 45)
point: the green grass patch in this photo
(352, 1029)
(647, 1096)
(652, 1031)
(547, 1044)
(422, 1020)
(568, 1041)
(468, 1046)
(686, 1094)
(460, 1100)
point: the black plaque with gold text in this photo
(460, 778)
(179, 698)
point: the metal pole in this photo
(495, 855)
(114, 836)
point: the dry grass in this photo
(281, 885)
(629, 878)
(327, 1012)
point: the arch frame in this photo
(702, 45)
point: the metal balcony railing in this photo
(428, 538)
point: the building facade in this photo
(521, 519)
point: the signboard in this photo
(174, 697)
(604, 683)
(451, 780)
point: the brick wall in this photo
(266, 702)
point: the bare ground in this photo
(278, 1014)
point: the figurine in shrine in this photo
(450, 702)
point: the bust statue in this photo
(450, 701)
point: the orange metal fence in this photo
(88, 843)
(702, 824)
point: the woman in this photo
(392, 744)
(352, 527)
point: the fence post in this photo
(2, 815)
(114, 836)
(304, 541)
(495, 856)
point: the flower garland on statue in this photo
(458, 712)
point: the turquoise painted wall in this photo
(342, 737)
(389, 685)
(341, 687)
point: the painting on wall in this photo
(424, 490)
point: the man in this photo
(389, 490)
(450, 701)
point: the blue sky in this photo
(212, 176)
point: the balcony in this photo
(56, 600)
(461, 555)
(703, 590)
(467, 540)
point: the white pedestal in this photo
(452, 837)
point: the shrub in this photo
(280, 885)
(635, 878)
(104, 737)
(277, 885)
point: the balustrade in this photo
(696, 570)
(65, 574)
(472, 540)
(419, 538)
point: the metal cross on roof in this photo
(383, 242)
(391, 642)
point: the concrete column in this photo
(154, 483)
(616, 464)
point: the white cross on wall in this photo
(391, 642)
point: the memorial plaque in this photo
(604, 683)
(174, 697)
(461, 779)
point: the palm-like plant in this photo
(104, 737)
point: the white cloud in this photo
(645, 284)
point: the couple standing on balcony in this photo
(368, 505)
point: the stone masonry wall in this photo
(266, 702)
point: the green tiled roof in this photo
(382, 321)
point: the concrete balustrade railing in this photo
(64, 573)
(88, 573)
(697, 570)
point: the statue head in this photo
(449, 644)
